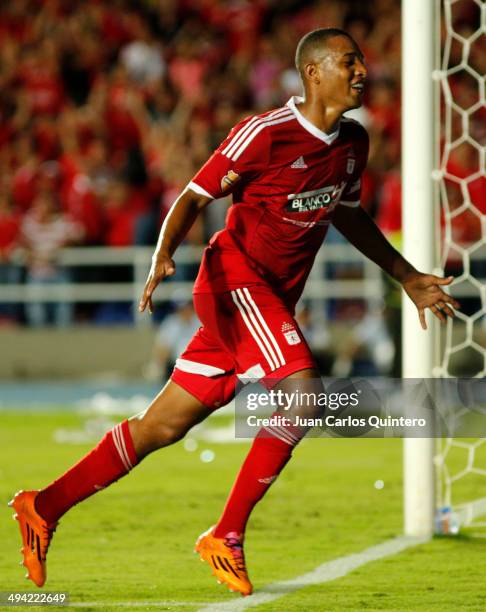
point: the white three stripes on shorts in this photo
(258, 328)
(119, 441)
(243, 138)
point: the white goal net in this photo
(460, 178)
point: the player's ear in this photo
(311, 72)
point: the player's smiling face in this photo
(342, 74)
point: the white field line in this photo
(134, 604)
(331, 570)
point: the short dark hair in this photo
(315, 40)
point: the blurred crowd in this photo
(108, 108)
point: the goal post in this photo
(418, 212)
(444, 224)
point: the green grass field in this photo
(133, 542)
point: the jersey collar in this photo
(310, 127)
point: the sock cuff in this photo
(124, 445)
(278, 429)
(129, 443)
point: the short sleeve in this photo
(351, 195)
(244, 153)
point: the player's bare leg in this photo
(171, 414)
(168, 418)
(222, 545)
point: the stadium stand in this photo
(109, 108)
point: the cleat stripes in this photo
(226, 559)
(228, 564)
(36, 535)
(222, 563)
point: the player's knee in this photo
(149, 436)
(304, 390)
(164, 434)
(311, 410)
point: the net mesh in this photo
(460, 177)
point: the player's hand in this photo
(425, 292)
(161, 267)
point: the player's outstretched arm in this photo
(174, 229)
(425, 290)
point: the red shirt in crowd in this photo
(9, 233)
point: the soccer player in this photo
(292, 172)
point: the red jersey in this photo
(286, 177)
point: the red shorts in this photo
(247, 335)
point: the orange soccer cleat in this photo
(36, 535)
(226, 558)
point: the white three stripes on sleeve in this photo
(238, 137)
(119, 441)
(257, 131)
(243, 138)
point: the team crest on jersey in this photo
(229, 180)
(290, 334)
(326, 197)
(350, 165)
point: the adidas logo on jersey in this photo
(299, 163)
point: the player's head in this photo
(331, 66)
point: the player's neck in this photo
(325, 118)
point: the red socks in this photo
(115, 456)
(110, 460)
(270, 452)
